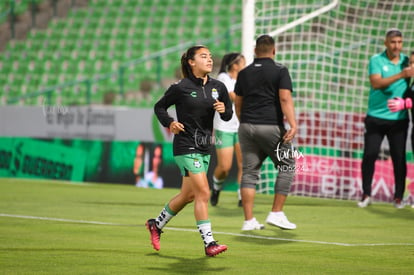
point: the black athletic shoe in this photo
(214, 197)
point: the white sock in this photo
(239, 193)
(164, 217)
(217, 184)
(204, 227)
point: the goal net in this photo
(327, 56)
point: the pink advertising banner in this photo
(337, 177)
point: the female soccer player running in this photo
(197, 97)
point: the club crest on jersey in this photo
(193, 94)
(197, 163)
(214, 93)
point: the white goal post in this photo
(249, 26)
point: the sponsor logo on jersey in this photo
(214, 93)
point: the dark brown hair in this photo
(229, 60)
(265, 44)
(189, 54)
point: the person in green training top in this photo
(388, 75)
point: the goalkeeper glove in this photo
(397, 104)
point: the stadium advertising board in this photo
(28, 158)
(339, 130)
(338, 177)
(119, 145)
(144, 164)
(86, 122)
(343, 131)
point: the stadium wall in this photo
(87, 144)
(88, 122)
(100, 144)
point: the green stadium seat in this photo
(98, 38)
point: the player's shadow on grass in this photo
(187, 265)
(119, 203)
(224, 211)
(391, 212)
(280, 236)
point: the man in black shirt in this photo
(263, 99)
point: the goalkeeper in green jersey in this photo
(388, 74)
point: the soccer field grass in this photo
(51, 227)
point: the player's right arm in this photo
(286, 102)
(161, 107)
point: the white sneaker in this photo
(364, 202)
(252, 224)
(399, 204)
(280, 220)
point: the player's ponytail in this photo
(229, 60)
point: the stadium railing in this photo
(118, 75)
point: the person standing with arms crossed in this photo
(263, 99)
(225, 132)
(388, 74)
(196, 97)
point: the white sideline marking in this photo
(215, 232)
(293, 240)
(57, 219)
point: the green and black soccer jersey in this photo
(194, 107)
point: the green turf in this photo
(333, 236)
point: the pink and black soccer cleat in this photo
(214, 248)
(155, 233)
